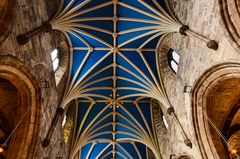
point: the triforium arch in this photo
(25, 130)
(215, 95)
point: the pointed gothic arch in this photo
(210, 89)
(24, 134)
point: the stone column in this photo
(187, 141)
(47, 140)
(24, 38)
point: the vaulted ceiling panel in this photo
(114, 74)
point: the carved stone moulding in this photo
(230, 12)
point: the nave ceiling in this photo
(114, 73)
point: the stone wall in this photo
(6, 14)
(30, 14)
(203, 17)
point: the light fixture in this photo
(187, 89)
(1, 150)
(233, 151)
(45, 84)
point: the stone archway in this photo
(27, 112)
(214, 96)
(9, 102)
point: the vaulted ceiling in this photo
(114, 73)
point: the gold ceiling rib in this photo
(103, 150)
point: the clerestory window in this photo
(64, 120)
(165, 122)
(55, 55)
(173, 60)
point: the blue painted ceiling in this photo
(114, 73)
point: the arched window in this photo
(165, 122)
(68, 121)
(55, 55)
(64, 120)
(173, 60)
(60, 59)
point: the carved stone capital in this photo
(22, 39)
(183, 29)
(46, 142)
(212, 44)
(188, 143)
(60, 110)
(170, 110)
